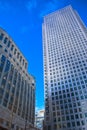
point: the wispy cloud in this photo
(31, 4)
(26, 28)
(5, 6)
(50, 6)
(38, 109)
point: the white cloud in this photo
(39, 108)
(4, 6)
(31, 4)
(50, 7)
(26, 28)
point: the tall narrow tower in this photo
(65, 70)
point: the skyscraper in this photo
(65, 70)
(17, 87)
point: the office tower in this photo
(39, 118)
(17, 87)
(65, 70)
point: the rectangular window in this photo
(9, 42)
(1, 36)
(12, 47)
(5, 40)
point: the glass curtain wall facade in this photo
(17, 87)
(65, 70)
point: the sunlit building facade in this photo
(17, 87)
(39, 118)
(65, 70)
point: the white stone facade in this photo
(17, 87)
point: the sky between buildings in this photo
(22, 19)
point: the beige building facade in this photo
(17, 87)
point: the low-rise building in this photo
(39, 117)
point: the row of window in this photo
(9, 44)
(11, 84)
(71, 124)
(8, 124)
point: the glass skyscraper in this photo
(65, 70)
(17, 87)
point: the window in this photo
(1, 121)
(18, 55)
(25, 65)
(9, 42)
(82, 122)
(0, 46)
(20, 58)
(15, 51)
(68, 124)
(10, 55)
(12, 47)
(73, 123)
(5, 102)
(85, 114)
(1, 36)
(72, 117)
(5, 40)
(6, 50)
(7, 123)
(76, 116)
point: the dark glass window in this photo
(12, 47)
(73, 123)
(6, 50)
(5, 40)
(9, 42)
(0, 46)
(2, 64)
(1, 36)
(68, 124)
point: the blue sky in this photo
(22, 19)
